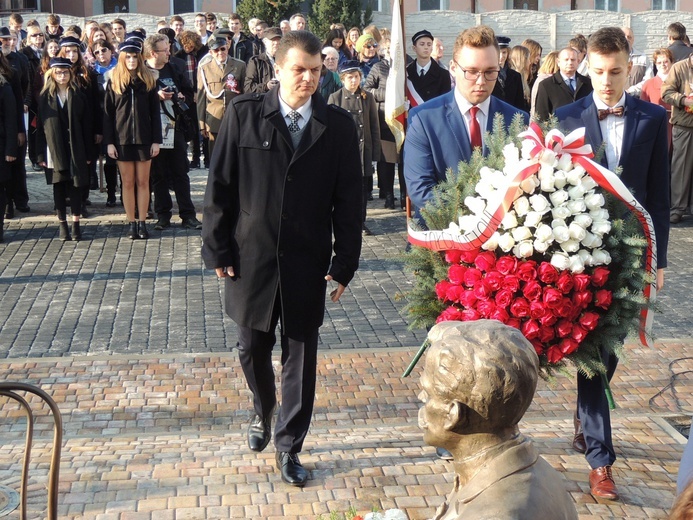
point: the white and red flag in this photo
(396, 102)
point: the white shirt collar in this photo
(566, 78)
(465, 105)
(305, 110)
(602, 106)
(425, 69)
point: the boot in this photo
(76, 232)
(390, 201)
(132, 233)
(64, 231)
(142, 230)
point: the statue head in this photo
(479, 378)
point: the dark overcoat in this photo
(8, 128)
(271, 212)
(434, 83)
(553, 93)
(49, 135)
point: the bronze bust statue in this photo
(478, 381)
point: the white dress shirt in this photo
(481, 116)
(612, 128)
(306, 110)
(425, 69)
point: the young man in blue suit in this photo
(635, 136)
(443, 131)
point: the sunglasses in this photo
(101, 51)
(221, 49)
(371, 46)
(37, 35)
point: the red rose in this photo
(481, 290)
(454, 293)
(468, 256)
(568, 346)
(565, 308)
(513, 322)
(442, 289)
(503, 298)
(527, 271)
(547, 273)
(564, 328)
(538, 347)
(565, 282)
(471, 276)
(520, 308)
(536, 310)
(469, 315)
(485, 261)
(456, 274)
(510, 282)
(554, 354)
(494, 280)
(602, 299)
(589, 320)
(548, 319)
(500, 315)
(485, 308)
(450, 314)
(600, 276)
(552, 297)
(506, 264)
(582, 299)
(532, 290)
(453, 256)
(581, 281)
(546, 334)
(530, 329)
(579, 333)
(468, 299)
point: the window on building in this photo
(607, 5)
(375, 5)
(668, 5)
(431, 5)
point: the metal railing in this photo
(10, 390)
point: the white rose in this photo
(506, 242)
(601, 257)
(539, 203)
(475, 204)
(576, 206)
(561, 234)
(591, 241)
(583, 220)
(564, 162)
(499, 180)
(588, 183)
(540, 247)
(511, 154)
(533, 219)
(547, 157)
(523, 249)
(560, 261)
(544, 233)
(574, 176)
(468, 222)
(559, 179)
(599, 214)
(558, 222)
(576, 265)
(530, 184)
(485, 188)
(561, 212)
(546, 179)
(521, 233)
(570, 246)
(600, 227)
(492, 243)
(577, 192)
(527, 147)
(558, 197)
(521, 206)
(585, 256)
(594, 200)
(576, 232)
(486, 173)
(509, 220)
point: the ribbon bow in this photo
(603, 114)
(556, 142)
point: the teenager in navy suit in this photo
(440, 131)
(635, 135)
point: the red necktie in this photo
(474, 129)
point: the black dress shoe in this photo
(291, 469)
(260, 432)
(132, 231)
(142, 230)
(389, 201)
(23, 209)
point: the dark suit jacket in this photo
(433, 84)
(270, 211)
(553, 93)
(437, 139)
(510, 89)
(644, 156)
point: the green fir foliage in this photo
(271, 11)
(348, 12)
(626, 244)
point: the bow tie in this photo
(618, 112)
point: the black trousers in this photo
(17, 190)
(61, 192)
(595, 418)
(169, 171)
(299, 360)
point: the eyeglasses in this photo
(101, 51)
(37, 35)
(473, 75)
(221, 49)
(161, 50)
(371, 46)
(63, 72)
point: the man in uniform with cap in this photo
(427, 78)
(219, 80)
(260, 72)
(509, 84)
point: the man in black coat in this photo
(427, 77)
(563, 88)
(279, 187)
(676, 33)
(509, 84)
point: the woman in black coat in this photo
(132, 130)
(8, 134)
(64, 141)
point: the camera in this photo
(179, 105)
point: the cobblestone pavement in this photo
(130, 339)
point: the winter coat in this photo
(258, 73)
(132, 117)
(8, 128)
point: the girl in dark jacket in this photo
(64, 141)
(8, 134)
(335, 38)
(132, 129)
